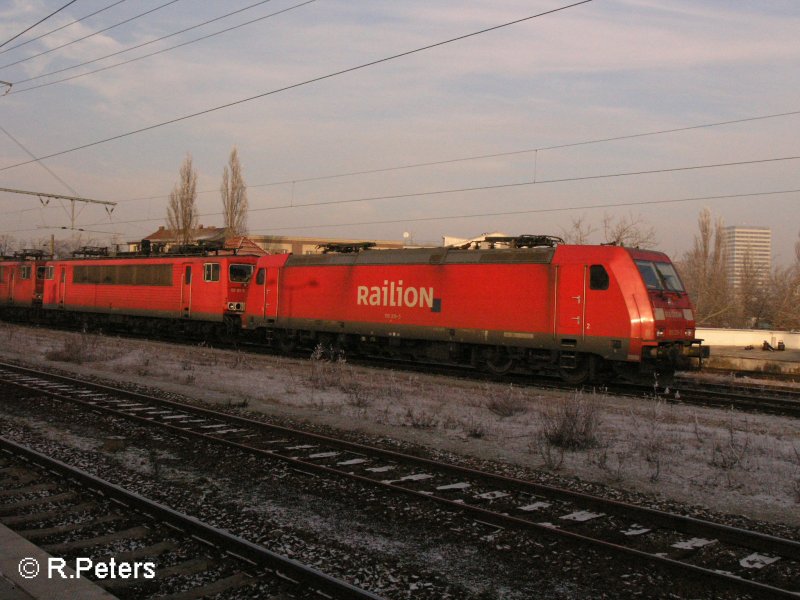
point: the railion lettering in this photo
(394, 293)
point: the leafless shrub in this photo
(735, 451)
(573, 425)
(326, 368)
(240, 360)
(77, 349)
(421, 419)
(358, 396)
(475, 429)
(652, 439)
(599, 457)
(393, 389)
(243, 402)
(553, 456)
(206, 355)
(508, 404)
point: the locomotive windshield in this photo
(659, 276)
(240, 273)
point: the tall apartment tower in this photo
(747, 243)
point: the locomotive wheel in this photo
(287, 343)
(498, 362)
(578, 375)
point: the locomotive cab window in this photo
(25, 272)
(261, 276)
(187, 278)
(211, 272)
(659, 276)
(2, 274)
(240, 273)
(598, 277)
(669, 276)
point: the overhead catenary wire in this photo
(55, 12)
(301, 84)
(510, 185)
(540, 210)
(296, 180)
(90, 35)
(475, 157)
(517, 184)
(490, 214)
(52, 31)
(150, 42)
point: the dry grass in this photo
(76, 348)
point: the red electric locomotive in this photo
(22, 280)
(193, 295)
(536, 304)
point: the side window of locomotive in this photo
(187, 278)
(240, 273)
(211, 272)
(598, 277)
(40, 273)
(2, 274)
(25, 272)
(261, 276)
(649, 274)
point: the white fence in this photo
(748, 337)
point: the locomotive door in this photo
(10, 290)
(61, 290)
(267, 283)
(186, 291)
(570, 303)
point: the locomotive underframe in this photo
(575, 360)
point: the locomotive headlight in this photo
(689, 333)
(660, 332)
(236, 306)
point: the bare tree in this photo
(754, 293)
(631, 231)
(704, 273)
(7, 243)
(181, 210)
(797, 253)
(578, 232)
(784, 297)
(234, 197)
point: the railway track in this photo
(756, 397)
(70, 514)
(775, 400)
(719, 555)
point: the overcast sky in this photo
(604, 69)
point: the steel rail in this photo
(736, 536)
(235, 545)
